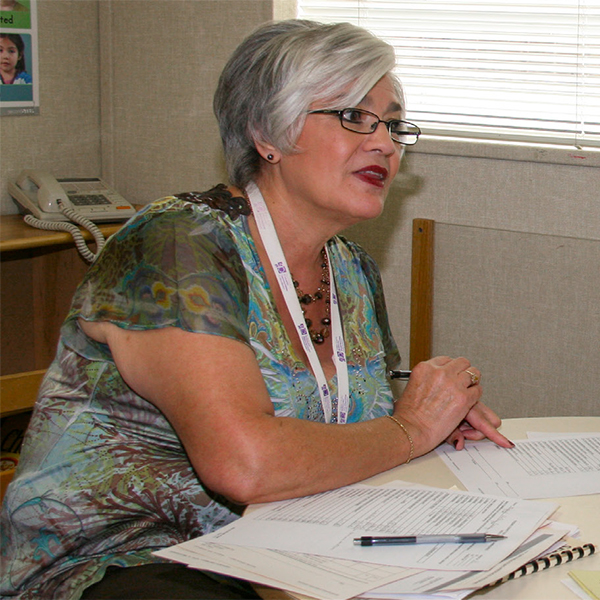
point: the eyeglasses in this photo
(365, 122)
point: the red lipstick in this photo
(373, 174)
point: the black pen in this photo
(399, 374)
(462, 538)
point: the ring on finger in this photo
(474, 377)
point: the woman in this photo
(195, 374)
(12, 59)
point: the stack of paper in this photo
(542, 467)
(305, 545)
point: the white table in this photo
(583, 511)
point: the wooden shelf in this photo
(5, 479)
(19, 391)
(15, 234)
(40, 272)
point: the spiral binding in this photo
(545, 562)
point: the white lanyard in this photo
(284, 278)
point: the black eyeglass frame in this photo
(345, 122)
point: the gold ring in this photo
(474, 378)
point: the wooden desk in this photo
(582, 511)
(40, 271)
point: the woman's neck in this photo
(304, 261)
(301, 233)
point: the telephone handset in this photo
(52, 204)
(40, 194)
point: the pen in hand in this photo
(463, 538)
(399, 374)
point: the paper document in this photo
(433, 582)
(538, 468)
(315, 576)
(326, 524)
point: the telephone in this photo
(40, 194)
(50, 203)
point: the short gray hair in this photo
(279, 71)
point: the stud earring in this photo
(270, 157)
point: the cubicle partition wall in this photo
(525, 308)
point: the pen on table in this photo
(400, 374)
(463, 538)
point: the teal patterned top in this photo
(103, 478)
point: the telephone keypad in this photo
(88, 199)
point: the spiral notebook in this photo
(551, 560)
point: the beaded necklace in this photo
(318, 337)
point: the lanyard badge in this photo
(274, 251)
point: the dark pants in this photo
(166, 582)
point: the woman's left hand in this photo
(481, 422)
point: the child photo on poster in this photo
(18, 58)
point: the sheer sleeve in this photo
(170, 266)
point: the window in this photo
(523, 71)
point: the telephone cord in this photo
(82, 247)
(85, 223)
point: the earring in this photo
(270, 157)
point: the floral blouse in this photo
(103, 478)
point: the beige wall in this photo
(504, 194)
(160, 70)
(65, 137)
(126, 90)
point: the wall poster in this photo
(19, 81)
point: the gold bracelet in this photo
(410, 441)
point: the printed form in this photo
(434, 582)
(536, 468)
(310, 575)
(326, 524)
(336, 579)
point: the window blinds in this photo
(527, 71)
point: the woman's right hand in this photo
(439, 398)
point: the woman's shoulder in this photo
(173, 262)
(216, 211)
(174, 235)
(220, 200)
